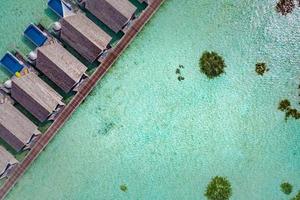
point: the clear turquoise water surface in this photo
(166, 139)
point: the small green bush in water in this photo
(285, 6)
(284, 105)
(286, 188)
(219, 188)
(123, 188)
(297, 197)
(261, 68)
(211, 64)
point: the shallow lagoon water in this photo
(165, 139)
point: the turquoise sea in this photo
(163, 138)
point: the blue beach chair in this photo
(11, 63)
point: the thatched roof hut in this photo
(60, 66)
(84, 36)
(15, 129)
(115, 14)
(35, 96)
(7, 162)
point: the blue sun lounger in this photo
(11, 63)
(60, 7)
(35, 35)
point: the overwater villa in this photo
(7, 162)
(115, 14)
(36, 96)
(84, 36)
(53, 60)
(78, 31)
(60, 66)
(15, 128)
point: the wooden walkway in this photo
(79, 97)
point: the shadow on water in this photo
(51, 15)
(107, 128)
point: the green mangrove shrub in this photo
(211, 64)
(286, 188)
(285, 106)
(285, 6)
(123, 188)
(261, 68)
(219, 188)
(297, 197)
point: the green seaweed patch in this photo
(285, 106)
(178, 72)
(286, 188)
(261, 68)
(212, 64)
(285, 6)
(180, 78)
(219, 188)
(123, 188)
(297, 197)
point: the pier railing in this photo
(79, 97)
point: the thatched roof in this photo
(7, 162)
(84, 36)
(15, 128)
(59, 65)
(35, 95)
(115, 14)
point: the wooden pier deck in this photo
(79, 97)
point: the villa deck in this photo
(80, 96)
(115, 14)
(84, 36)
